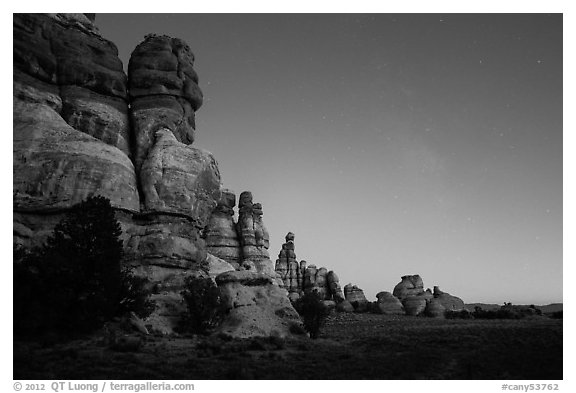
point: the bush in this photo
(462, 314)
(75, 282)
(557, 315)
(313, 312)
(204, 304)
(507, 311)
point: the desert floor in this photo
(351, 346)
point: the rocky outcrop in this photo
(448, 301)
(409, 286)
(414, 305)
(164, 92)
(83, 128)
(70, 116)
(256, 306)
(434, 308)
(287, 267)
(356, 297)
(334, 288)
(299, 278)
(344, 306)
(221, 236)
(179, 179)
(388, 304)
(254, 238)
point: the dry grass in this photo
(351, 346)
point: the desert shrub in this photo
(507, 311)
(557, 315)
(205, 309)
(313, 312)
(461, 314)
(75, 282)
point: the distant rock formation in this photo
(415, 305)
(409, 286)
(410, 291)
(435, 309)
(356, 297)
(287, 267)
(298, 278)
(448, 301)
(388, 304)
(254, 238)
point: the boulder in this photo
(409, 286)
(256, 306)
(448, 301)
(344, 306)
(356, 297)
(388, 304)
(414, 305)
(434, 309)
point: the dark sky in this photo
(389, 144)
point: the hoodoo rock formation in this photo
(254, 238)
(164, 92)
(221, 236)
(356, 297)
(82, 127)
(409, 286)
(299, 278)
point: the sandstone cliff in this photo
(83, 127)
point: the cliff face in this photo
(78, 132)
(83, 127)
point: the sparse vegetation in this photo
(75, 282)
(204, 305)
(557, 315)
(353, 346)
(507, 311)
(313, 312)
